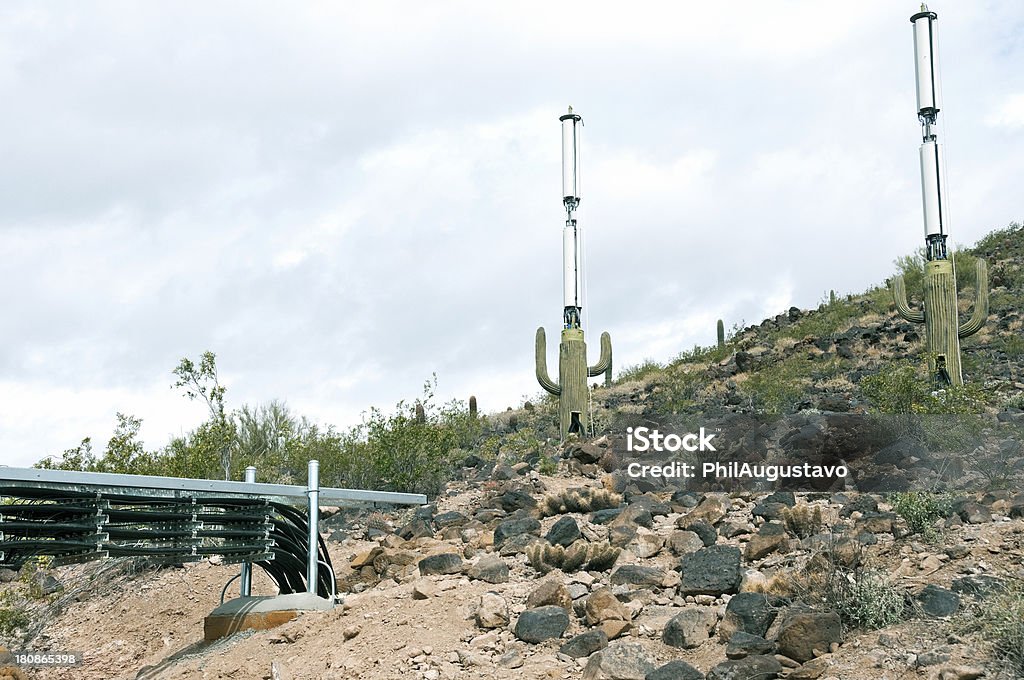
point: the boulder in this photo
(602, 605)
(803, 632)
(675, 670)
(489, 568)
(620, 661)
(526, 526)
(444, 563)
(750, 613)
(564, 532)
(542, 623)
(936, 601)
(492, 612)
(585, 644)
(689, 628)
(711, 571)
(550, 592)
(760, 667)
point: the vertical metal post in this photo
(246, 577)
(313, 491)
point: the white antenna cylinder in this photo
(933, 192)
(571, 124)
(572, 270)
(926, 64)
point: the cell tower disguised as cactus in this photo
(571, 388)
(943, 329)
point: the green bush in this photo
(1002, 623)
(776, 388)
(865, 599)
(921, 509)
(12, 616)
(911, 267)
(639, 371)
(903, 388)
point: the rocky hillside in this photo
(548, 561)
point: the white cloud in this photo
(1009, 114)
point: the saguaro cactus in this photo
(571, 389)
(472, 407)
(943, 329)
(721, 334)
(939, 316)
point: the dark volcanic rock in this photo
(450, 519)
(515, 527)
(585, 644)
(711, 571)
(510, 501)
(744, 644)
(675, 670)
(936, 601)
(445, 563)
(564, 532)
(760, 667)
(620, 661)
(751, 613)
(708, 534)
(637, 575)
(543, 623)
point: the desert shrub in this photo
(706, 355)
(1002, 623)
(12, 616)
(776, 388)
(639, 371)
(865, 599)
(921, 509)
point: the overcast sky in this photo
(340, 199)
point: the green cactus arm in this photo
(899, 296)
(541, 352)
(604, 363)
(980, 315)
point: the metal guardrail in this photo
(155, 486)
(74, 516)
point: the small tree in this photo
(201, 381)
(125, 453)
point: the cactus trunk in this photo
(571, 389)
(572, 376)
(942, 325)
(721, 334)
(940, 322)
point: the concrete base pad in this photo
(259, 613)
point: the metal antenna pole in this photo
(313, 489)
(246, 577)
